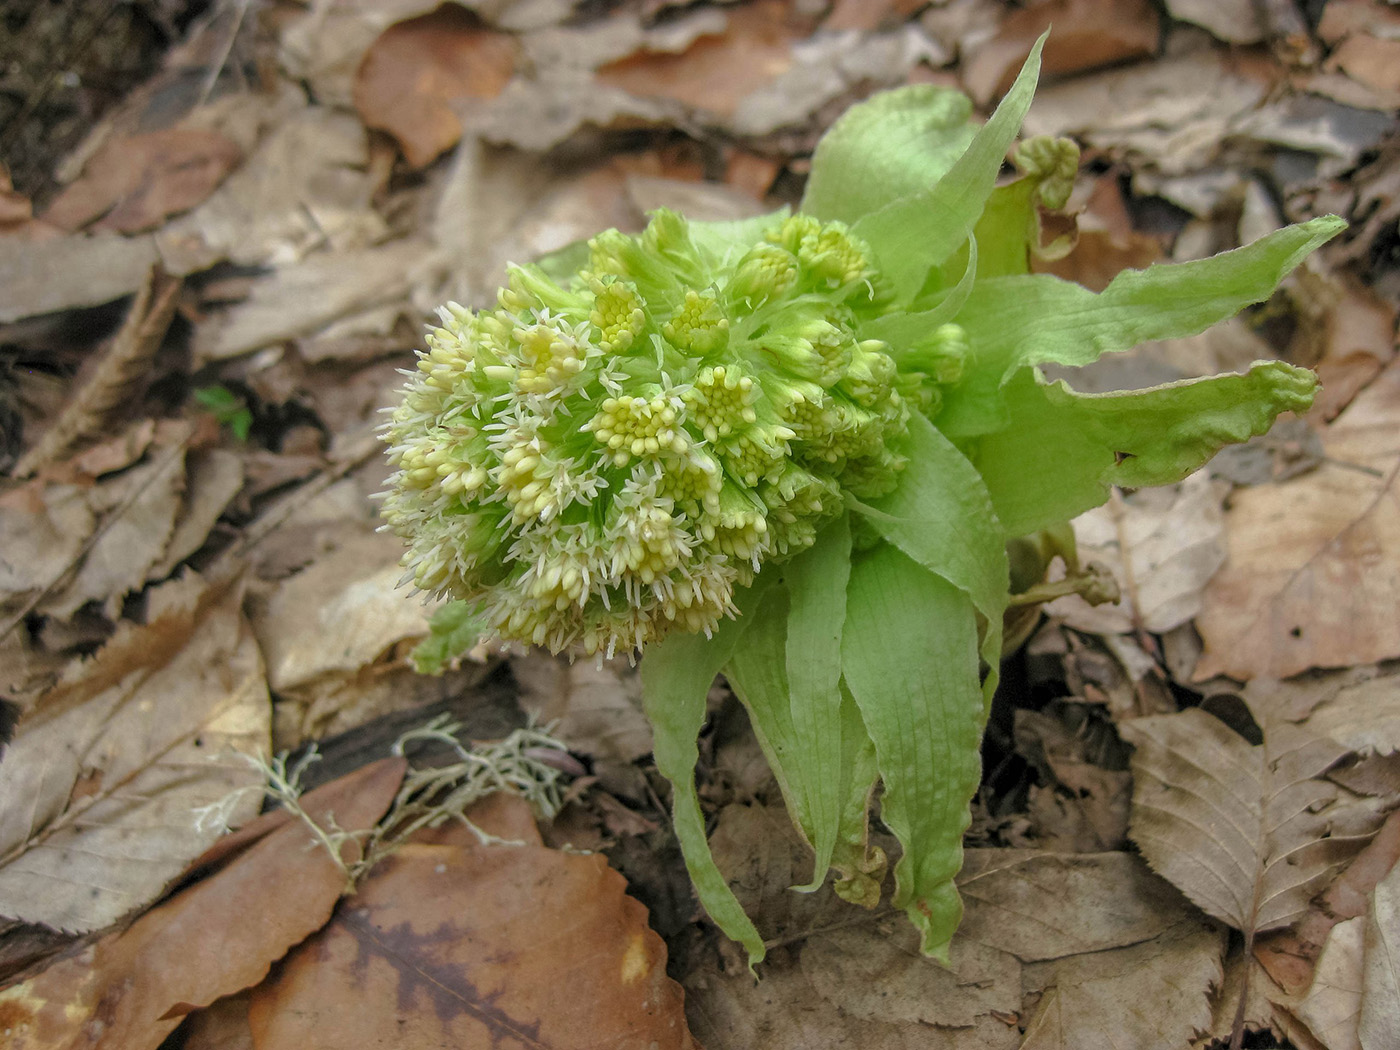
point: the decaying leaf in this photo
(416, 71)
(453, 943)
(1312, 577)
(42, 533)
(1235, 21)
(130, 989)
(1331, 1008)
(596, 708)
(1150, 996)
(134, 183)
(137, 511)
(1246, 831)
(1380, 996)
(1174, 541)
(116, 769)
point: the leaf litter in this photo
(319, 177)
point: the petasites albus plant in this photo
(794, 449)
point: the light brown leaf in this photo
(458, 944)
(42, 532)
(1313, 571)
(1037, 905)
(717, 72)
(416, 74)
(598, 709)
(124, 779)
(212, 478)
(1088, 34)
(1174, 539)
(130, 989)
(1151, 996)
(1331, 1009)
(1234, 21)
(1380, 997)
(61, 273)
(1364, 718)
(138, 509)
(136, 182)
(1246, 832)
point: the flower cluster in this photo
(595, 464)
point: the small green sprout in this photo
(795, 449)
(227, 408)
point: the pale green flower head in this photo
(604, 459)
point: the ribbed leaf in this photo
(909, 652)
(914, 234)
(1067, 448)
(676, 676)
(787, 671)
(1015, 322)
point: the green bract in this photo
(794, 449)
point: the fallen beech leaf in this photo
(1364, 718)
(61, 273)
(130, 989)
(212, 478)
(42, 532)
(1358, 341)
(1087, 34)
(1150, 996)
(1371, 60)
(1175, 543)
(1312, 577)
(113, 771)
(463, 945)
(596, 708)
(866, 15)
(717, 72)
(413, 74)
(136, 182)
(1247, 832)
(1380, 997)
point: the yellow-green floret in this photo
(597, 463)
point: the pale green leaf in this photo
(942, 516)
(787, 671)
(1064, 449)
(676, 676)
(897, 143)
(452, 631)
(913, 234)
(902, 330)
(909, 652)
(1014, 322)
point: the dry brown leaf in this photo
(416, 74)
(1373, 61)
(1358, 340)
(717, 72)
(1331, 1009)
(135, 183)
(130, 989)
(1247, 832)
(1170, 115)
(866, 15)
(1364, 718)
(61, 273)
(1289, 956)
(458, 944)
(1038, 906)
(1313, 571)
(597, 709)
(120, 374)
(1380, 998)
(212, 478)
(223, 1025)
(305, 186)
(1150, 996)
(42, 532)
(1088, 34)
(128, 772)
(137, 509)
(299, 299)
(1175, 544)
(1234, 21)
